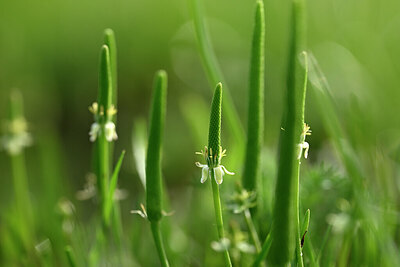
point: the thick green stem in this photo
(286, 226)
(218, 216)
(155, 229)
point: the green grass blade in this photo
(306, 222)
(153, 160)
(255, 127)
(104, 101)
(109, 40)
(113, 185)
(264, 251)
(105, 79)
(70, 256)
(214, 73)
(154, 192)
(286, 228)
(17, 134)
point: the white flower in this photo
(110, 132)
(303, 144)
(219, 172)
(94, 131)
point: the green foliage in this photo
(350, 180)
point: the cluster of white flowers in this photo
(17, 136)
(109, 126)
(213, 164)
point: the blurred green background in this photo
(49, 50)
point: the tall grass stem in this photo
(255, 119)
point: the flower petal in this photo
(110, 132)
(204, 174)
(94, 131)
(198, 164)
(226, 171)
(300, 149)
(306, 147)
(218, 175)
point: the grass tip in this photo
(108, 32)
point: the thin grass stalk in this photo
(213, 71)
(286, 225)
(154, 192)
(17, 129)
(109, 40)
(104, 112)
(155, 229)
(69, 253)
(255, 121)
(214, 148)
(104, 102)
(252, 230)
(264, 251)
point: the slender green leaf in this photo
(255, 121)
(286, 228)
(111, 190)
(153, 160)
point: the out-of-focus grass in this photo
(49, 51)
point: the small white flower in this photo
(303, 144)
(110, 132)
(219, 172)
(205, 172)
(94, 131)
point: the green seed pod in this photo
(153, 160)
(214, 133)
